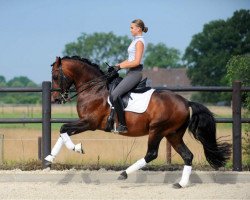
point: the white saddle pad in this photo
(138, 102)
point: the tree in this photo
(99, 47)
(210, 50)
(2, 81)
(23, 98)
(238, 68)
(161, 56)
(21, 81)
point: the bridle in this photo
(65, 83)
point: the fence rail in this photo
(46, 119)
(68, 120)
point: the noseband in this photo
(64, 84)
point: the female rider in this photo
(134, 75)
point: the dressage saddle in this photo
(111, 84)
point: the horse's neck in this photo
(90, 97)
(85, 78)
(88, 81)
(94, 87)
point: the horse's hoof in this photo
(47, 164)
(177, 186)
(123, 176)
(49, 159)
(78, 148)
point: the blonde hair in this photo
(140, 23)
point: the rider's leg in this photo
(130, 81)
(122, 127)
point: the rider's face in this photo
(135, 30)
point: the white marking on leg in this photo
(57, 147)
(55, 150)
(138, 165)
(67, 141)
(185, 175)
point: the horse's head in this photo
(60, 79)
(83, 73)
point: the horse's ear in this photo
(58, 61)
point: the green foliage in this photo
(99, 47)
(2, 81)
(238, 68)
(246, 146)
(19, 98)
(210, 50)
(161, 56)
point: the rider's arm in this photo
(139, 47)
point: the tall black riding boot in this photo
(122, 127)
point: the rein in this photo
(63, 79)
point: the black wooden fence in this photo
(46, 119)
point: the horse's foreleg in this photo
(71, 128)
(152, 153)
(55, 150)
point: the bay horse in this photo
(167, 116)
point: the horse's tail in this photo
(203, 127)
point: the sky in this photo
(34, 32)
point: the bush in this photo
(238, 68)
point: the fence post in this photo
(46, 118)
(1, 149)
(39, 144)
(237, 150)
(168, 149)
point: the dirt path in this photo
(102, 184)
(41, 190)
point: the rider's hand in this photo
(111, 69)
(112, 72)
(117, 68)
(114, 68)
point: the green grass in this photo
(38, 126)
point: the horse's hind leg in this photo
(152, 153)
(177, 142)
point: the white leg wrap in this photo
(138, 165)
(50, 158)
(67, 141)
(57, 147)
(78, 148)
(185, 175)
